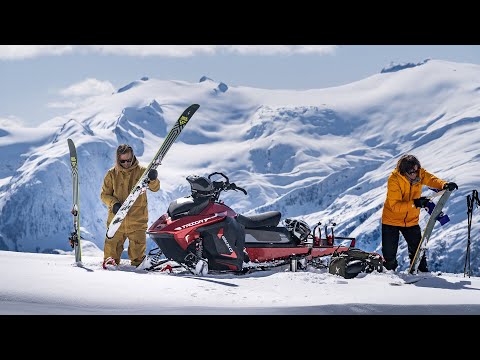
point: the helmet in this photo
(200, 186)
(298, 228)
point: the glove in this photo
(116, 207)
(421, 202)
(152, 174)
(450, 186)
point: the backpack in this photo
(348, 264)
(299, 229)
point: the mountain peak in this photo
(133, 84)
(155, 106)
(394, 67)
(221, 87)
(204, 78)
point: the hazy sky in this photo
(40, 82)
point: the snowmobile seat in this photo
(186, 206)
(269, 218)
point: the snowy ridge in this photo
(315, 154)
(397, 67)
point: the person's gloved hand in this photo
(152, 174)
(450, 186)
(421, 202)
(116, 207)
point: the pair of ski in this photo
(422, 246)
(139, 188)
(75, 235)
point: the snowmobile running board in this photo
(298, 261)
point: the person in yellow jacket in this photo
(401, 210)
(117, 184)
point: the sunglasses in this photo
(412, 172)
(125, 161)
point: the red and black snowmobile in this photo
(202, 234)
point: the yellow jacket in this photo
(399, 209)
(117, 184)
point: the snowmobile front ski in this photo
(142, 183)
(75, 235)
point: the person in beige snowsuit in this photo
(117, 184)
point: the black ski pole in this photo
(471, 200)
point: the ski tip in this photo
(193, 108)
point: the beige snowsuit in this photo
(117, 184)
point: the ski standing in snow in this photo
(471, 201)
(422, 246)
(75, 235)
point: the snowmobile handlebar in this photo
(233, 186)
(224, 185)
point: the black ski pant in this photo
(390, 238)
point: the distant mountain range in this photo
(320, 155)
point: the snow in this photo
(54, 284)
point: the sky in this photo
(43, 81)
(55, 285)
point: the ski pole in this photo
(471, 200)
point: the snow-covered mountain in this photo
(321, 154)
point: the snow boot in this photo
(201, 268)
(110, 264)
(150, 261)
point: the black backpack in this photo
(348, 264)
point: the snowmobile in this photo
(203, 235)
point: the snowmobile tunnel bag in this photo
(350, 263)
(268, 236)
(348, 269)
